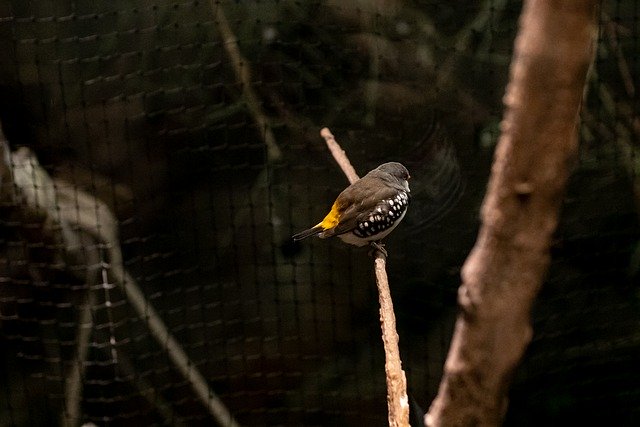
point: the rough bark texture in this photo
(505, 269)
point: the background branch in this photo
(79, 220)
(505, 269)
(243, 73)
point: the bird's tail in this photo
(308, 233)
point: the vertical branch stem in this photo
(74, 382)
(505, 269)
(397, 400)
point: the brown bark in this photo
(339, 155)
(505, 269)
(397, 399)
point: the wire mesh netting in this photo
(158, 155)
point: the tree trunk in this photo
(505, 269)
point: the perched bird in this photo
(367, 210)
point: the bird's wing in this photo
(352, 208)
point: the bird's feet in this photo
(377, 246)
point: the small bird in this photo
(367, 210)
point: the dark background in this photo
(141, 104)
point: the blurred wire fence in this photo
(158, 155)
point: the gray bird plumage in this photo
(367, 210)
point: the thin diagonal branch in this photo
(397, 400)
(243, 73)
(339, 155)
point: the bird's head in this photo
(397, 171)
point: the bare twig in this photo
(180, 359)
(623, 67)
(73, 385)
(397, 400)
(340, 156)
(242, 69)
(488, 11)
(243, 73)
(505, 269)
